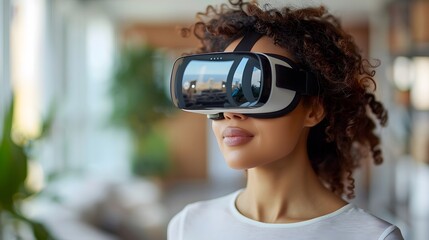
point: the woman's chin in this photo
(238, 164)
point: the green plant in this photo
(140, 102)
(151, 157)
(13, 173)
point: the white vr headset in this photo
(260, 85)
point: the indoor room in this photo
(92, 146)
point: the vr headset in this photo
(259, 85)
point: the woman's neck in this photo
(282, 193)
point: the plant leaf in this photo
(13, 164)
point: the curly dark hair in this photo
(315, 38)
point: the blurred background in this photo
(90, 147)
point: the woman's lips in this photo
(234, 136)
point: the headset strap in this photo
(247, 42)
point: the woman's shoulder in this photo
(357, 220)
(359, 215)
(200, 212)
(207, 207)
(210, 206)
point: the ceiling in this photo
(185, 10)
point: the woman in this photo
(299, 158)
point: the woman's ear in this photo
(315, 112)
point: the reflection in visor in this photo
(222, 84)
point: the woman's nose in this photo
(237, 116)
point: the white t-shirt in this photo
(219, 219)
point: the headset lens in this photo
(211, 81)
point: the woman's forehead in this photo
(264, 45)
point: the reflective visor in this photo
(262, 85)
(220, 81)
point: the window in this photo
(4, 57)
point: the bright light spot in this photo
(26, 57)
(35, 178)
(403, 73)
(420, 88)
(99, 49)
